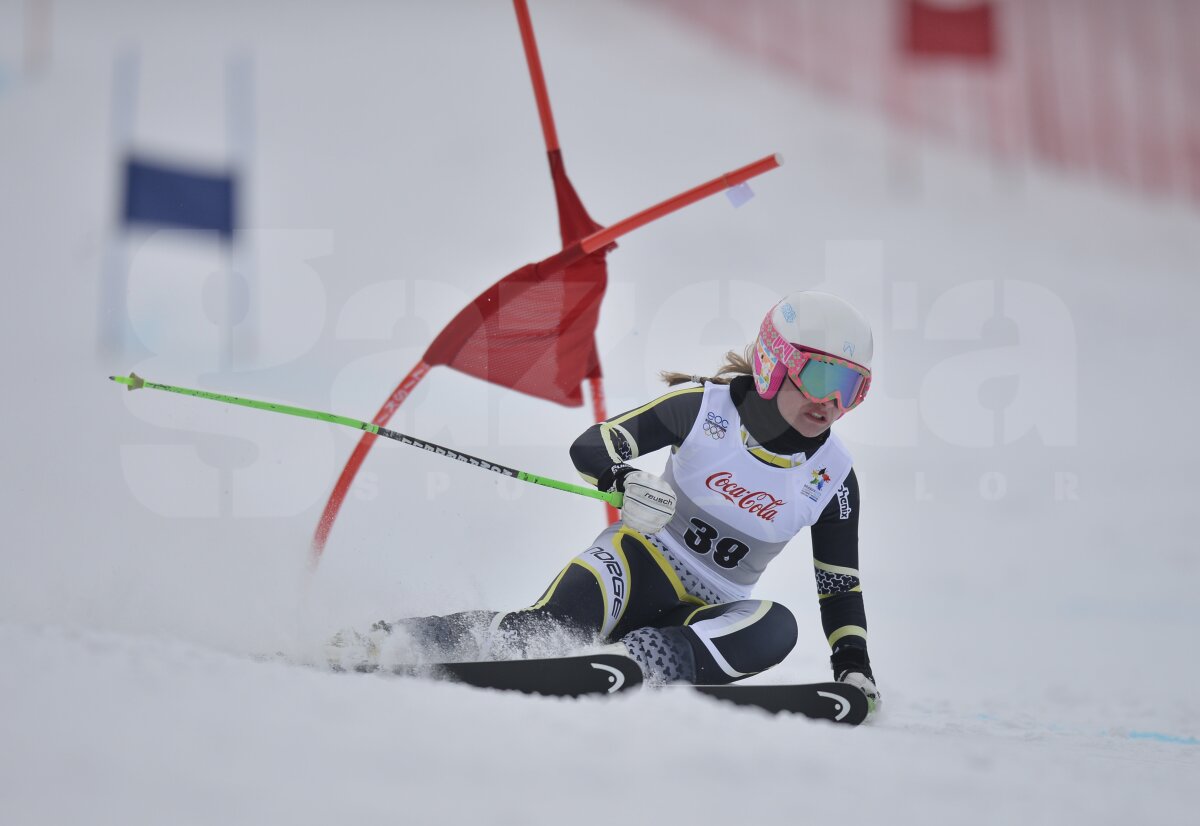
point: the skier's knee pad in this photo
(665, 655)
(738, 639)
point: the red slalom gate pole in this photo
(535, 74)
(546, 116)
(596, 383)
(601, 239)
(342, 486)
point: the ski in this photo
(837, 702)
(556, 676)
(610, 673)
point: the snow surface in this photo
(1026, 455)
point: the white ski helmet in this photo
(821, 342)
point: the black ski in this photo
(837, 702)
(557, 676)
(610, 673)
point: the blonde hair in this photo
(736, 364)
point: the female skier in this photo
(753, 461)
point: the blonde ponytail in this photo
(736, 364)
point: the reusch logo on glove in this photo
(762, 504)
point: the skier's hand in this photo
(354, 650)
(649, 501)
(866, 685)
(852, 666)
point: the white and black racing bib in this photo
(735, 513)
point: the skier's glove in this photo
(649, 501)
(852, 666)
(866, 685)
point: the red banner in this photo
(950, 32)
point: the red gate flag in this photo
(950, 32)
(534, 330)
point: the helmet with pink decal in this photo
(819, 342)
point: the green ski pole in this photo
(135, 382)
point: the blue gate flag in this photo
(160, 195)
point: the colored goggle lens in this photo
(824, 380)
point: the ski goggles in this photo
(819, 376)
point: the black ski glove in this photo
(613, 479)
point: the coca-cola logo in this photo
(762, 504)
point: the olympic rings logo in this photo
(715, 426)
